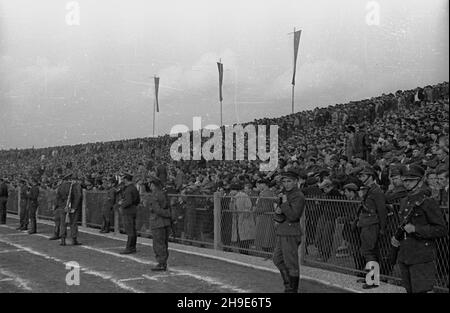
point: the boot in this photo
(31, 232)
(55, 237)
(75, 242)
(159, 268)
(128, 251)
(294, 283)
(286, 280)
(63, 241)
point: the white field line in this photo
(83, 269)
(209, 280)
(11, 250)
(20, 282)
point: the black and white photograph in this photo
(224, 152)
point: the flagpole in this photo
(293, 85)
(221, 122)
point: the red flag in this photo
(156, 93)
(220, 67)
(296, 43)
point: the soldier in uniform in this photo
(107, 206)
(23, 219)
(395, 193)
(3, 200)
(128, 208)
(425, 223)
(371, 219)
(33, 195)
(68, 202)
(160, 221)
(288, 233)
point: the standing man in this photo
(107, 206)
(128, 208)
(371, 220)
(416, 255)
(68, 202)
(288, 233)
(33, 204)
(3, 200)
(23, 219)
(160, 219)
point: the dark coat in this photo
(3, 190)
(131, 199)
(160, 215)
(62, 194)
(292, 209)
(374, 211)
(430, 224)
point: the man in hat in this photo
(396, 190)
(416, 255)
(33, 195)
(128, 208)
(371, 219)
(3, 200)
(68, 208)
(23, 218)
(288, 233)
(160, 223)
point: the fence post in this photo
(83, 209)
(217, 221)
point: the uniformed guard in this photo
(3, 200)
(288, 212)
(107, 206)
(68, 208)
(160, 221)
(128, 208)
(423, 223)
(394, 194)
(371, 219)
(23, 218)
(33, 204)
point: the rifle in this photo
(400, 232)
(68, 207)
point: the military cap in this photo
(351, 187)
(414, 171)
(291, 173)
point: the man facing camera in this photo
(288, 233)
(128, 209)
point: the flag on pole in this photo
(296, 43)
(156, 93)
(220, 67)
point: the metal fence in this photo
(244, 224)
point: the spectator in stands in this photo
(243, 224)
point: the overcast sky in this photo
(62, 84)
